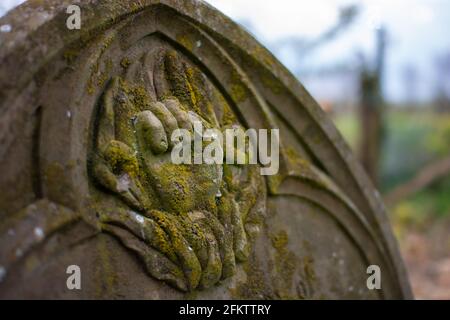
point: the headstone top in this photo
(87, 118)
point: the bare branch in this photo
(429, 174)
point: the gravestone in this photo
(87, 184)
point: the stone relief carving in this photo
(85, 131)
(189, 223)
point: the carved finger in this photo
(196, 237)
(247, 196)
(229, 212)
(157, 265)
(147, 74)
(254, 206)
(240, 243)
(136, 189)
(222, 229)
(185, 253)
(143, 228)
(106, 128)
(175, 107)
(121, 158)
(151, 133)
(213, 270)
(212, 266)
(116, 169)
(189, 86)
(168, 121)
(162, 87)
(174, 70)
(195, 121)
(195, 118)
(122, 161)
(106, 178)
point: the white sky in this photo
(418, 32)
(6, 5)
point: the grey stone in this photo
(83, 184)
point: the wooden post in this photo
(371, 111)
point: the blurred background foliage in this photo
(412, 139)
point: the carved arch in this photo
(316, 164)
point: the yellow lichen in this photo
(285, 265)
(186, 41)
(125, 62)
(122, 159)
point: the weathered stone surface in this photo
(81, 184)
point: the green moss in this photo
(190, 264)
(304, 168)
(96, 77)
(308, 266)
(135, 99)
(179, 189)
(125, 62)
(238, 90)
(105, 272)
(91, 81)
(140, 98)
(175, 72)
(193, 232)
(256, 285)
(189, 86)
(259, 53)
(161, 241)
(122, 158)
(190, 295)
(70, 55)
(175, 187)
(279, 241)
(297, 160)
(269, 81)
(196, 84)
(284, 265)
(186, 41)
(228, 116)
(104, 75)
(308, 260)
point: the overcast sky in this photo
(418, 33)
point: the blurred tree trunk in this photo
(371, 111)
